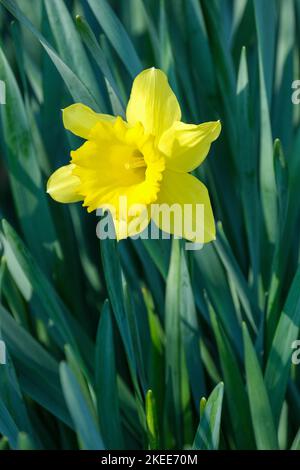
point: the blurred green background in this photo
(141, 344)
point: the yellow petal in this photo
(187, 145)
(80, 119)
(185, 196)
(152, 102)
(63, 185)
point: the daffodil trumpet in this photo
(147, 159)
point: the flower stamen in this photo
(137, 162)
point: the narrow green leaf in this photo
(208, 432)
(113, 277)
(24, 442)
(235, 393)
(283, 427)
(203, 402)
(82, 418)
(212, 278)
(37, 371)
(4, 444)
(178, 41)
(36, 287)
(277, 371)
(25, 175)
(156, 361)
(280, 259)
(8, 427)
(76, 87)
(224, 251)
(262, 418)
(190, 332)
(265, 19)
(296, 442)
(160, 254)
(152, 425)
(70, 47)
(224, 68)
(284, 73)
(174, 345)
(151, 28)
(282, 180)
(81, 379)
(139, 333)
(266, 44)
(92, 44)
(200, 50)
(13, 398)
(117, 35)
(106, 383)
(247, 166)
(153, 278)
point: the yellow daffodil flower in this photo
(146, 158)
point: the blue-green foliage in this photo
(114, 345)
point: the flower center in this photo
(136, 162)
(118, 160)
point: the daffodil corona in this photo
(146, 159)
